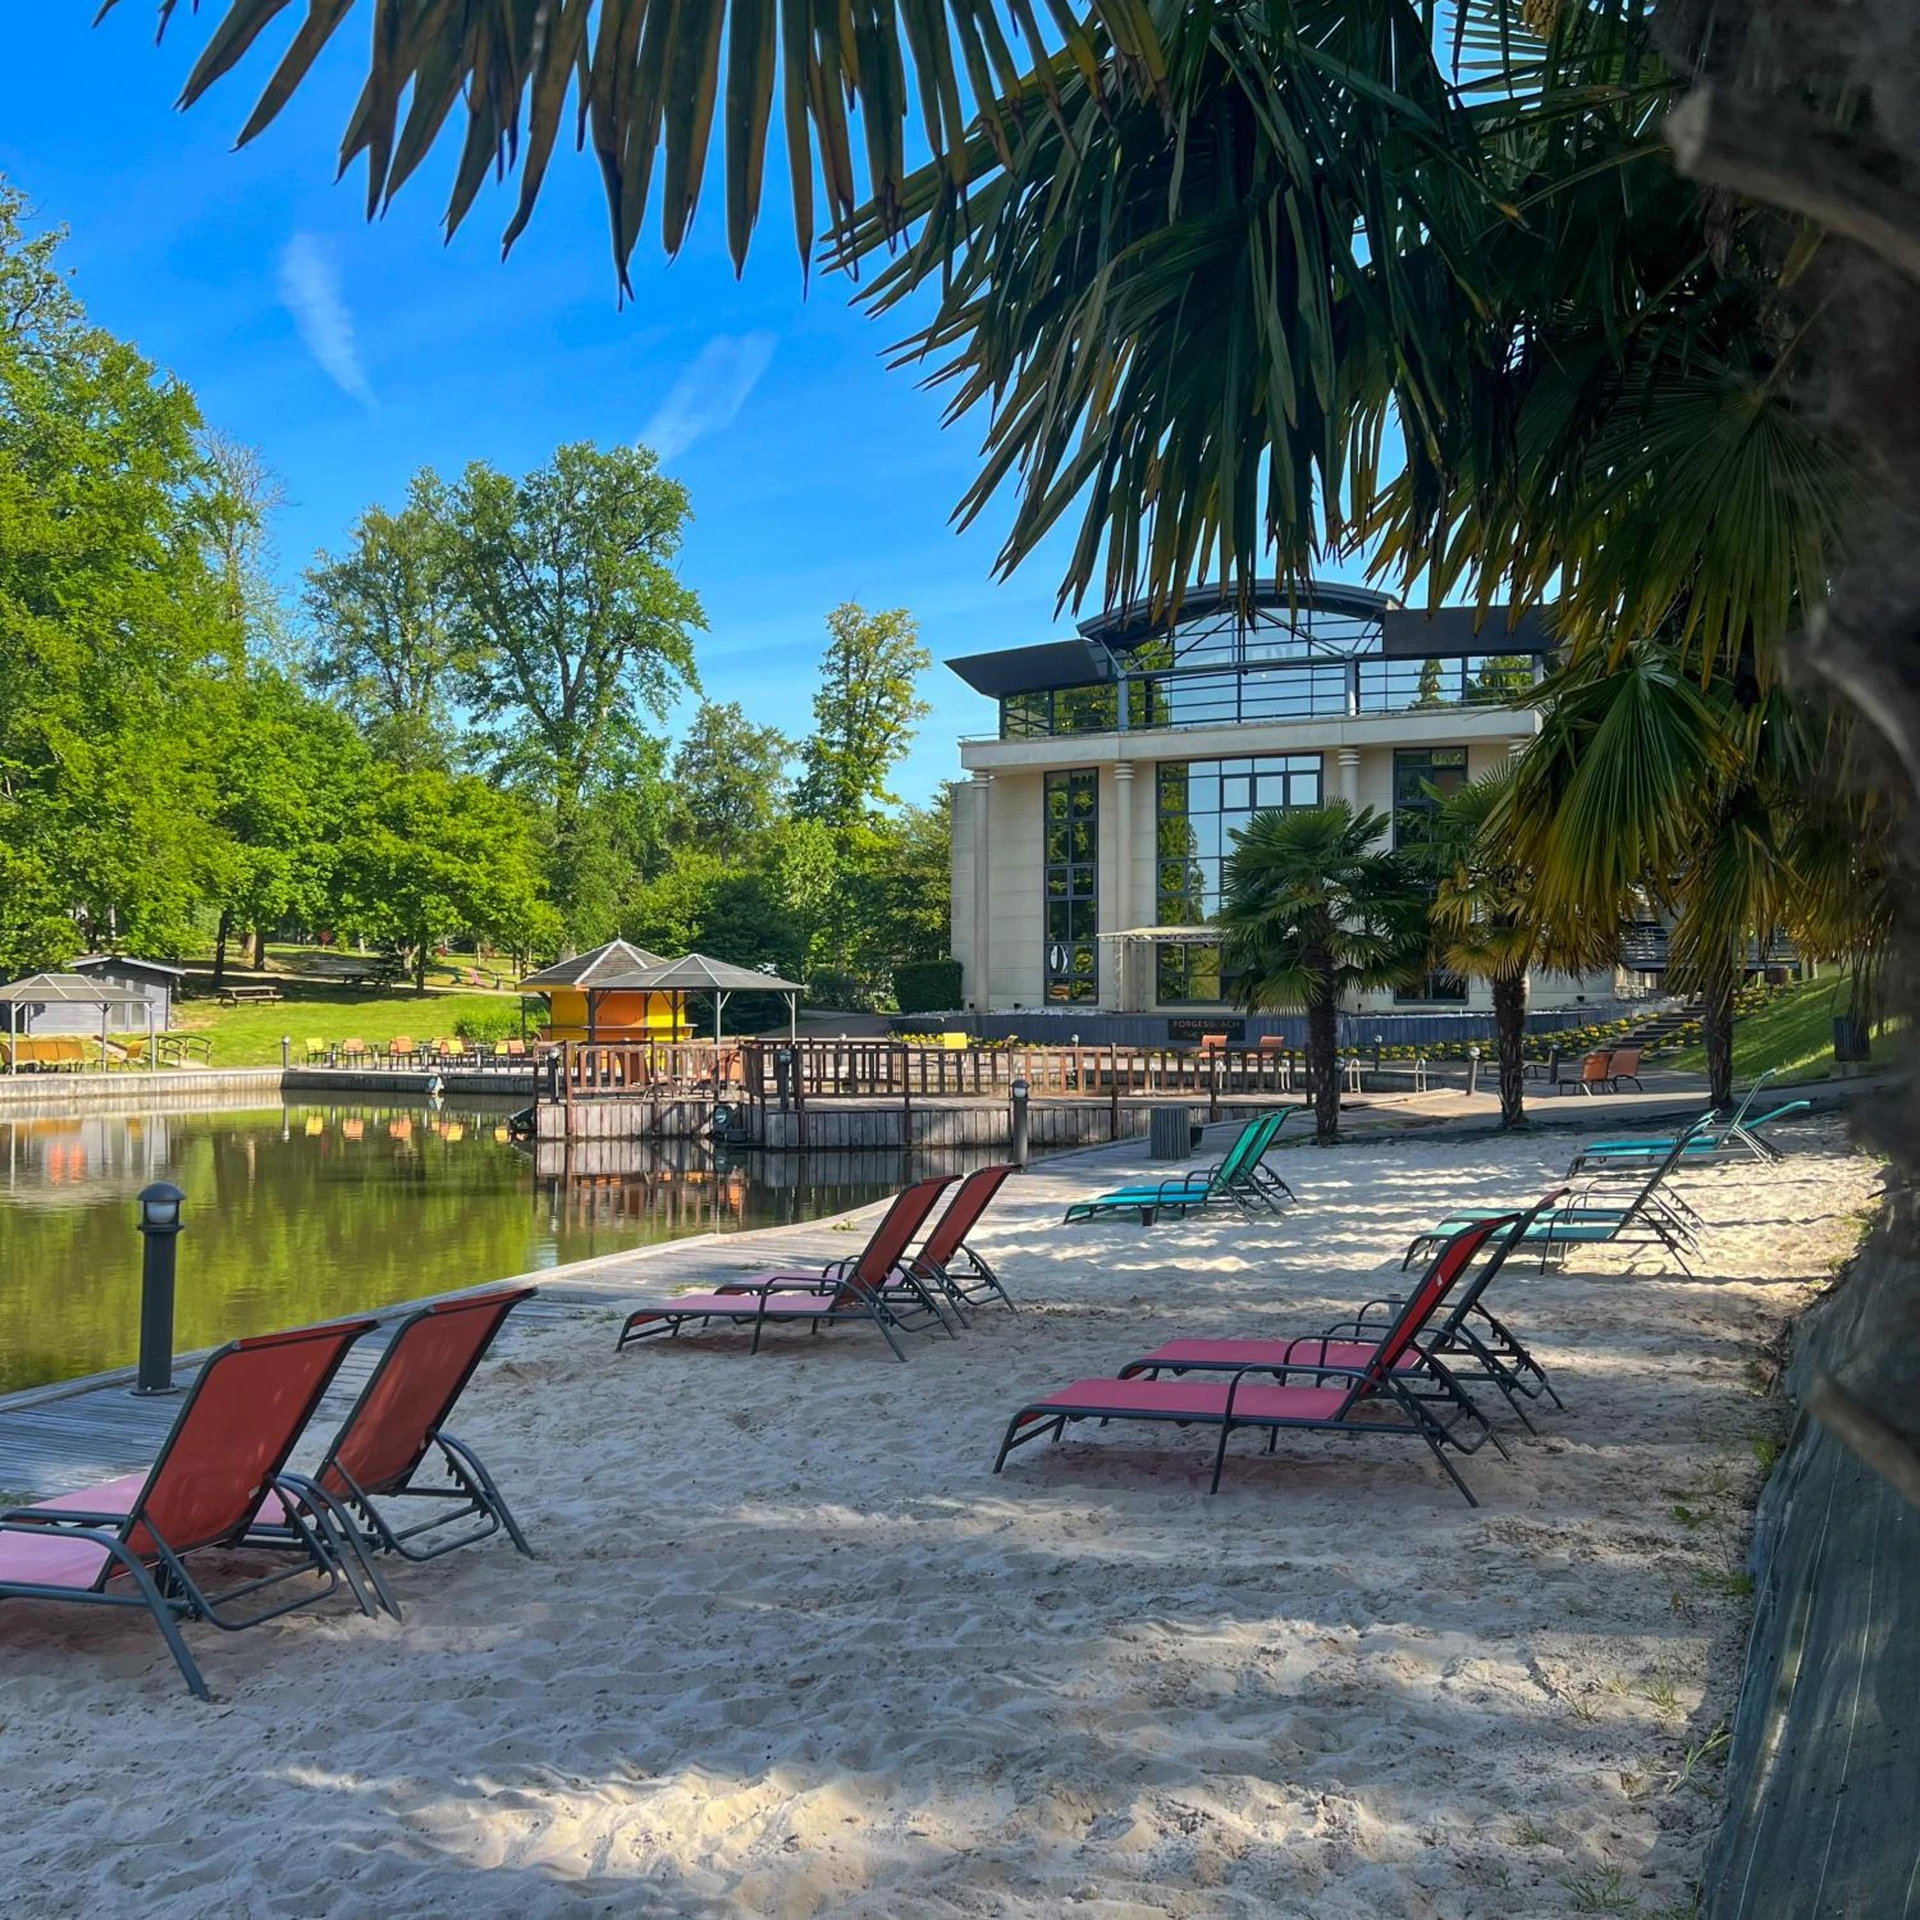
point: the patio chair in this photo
(873, 1286)
(1470, 1330)
(1547, 1069)
(936, 1264)
(1237, 1177)
(319, 1052)
(1431, 1404)
(353, 1053)
(129, 1542)
(1709, 1138)
(394, 1428)
(401, 1048)
(1623, 1063)
(1648, 1218)
(1592, 1074)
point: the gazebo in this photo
(719, 979)
(588, 996)
(70, 989)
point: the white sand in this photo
(792, 1650)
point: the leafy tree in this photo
(1312, 909)
(429, 854)
(575, 625)
(386, 640)
(864, 713)
(729, 779)
(621, 837)
(234, 507)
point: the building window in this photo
(1423, 780)
(1201, 805)
(1072, 887)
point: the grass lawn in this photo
(249, 1036)
(1792, 1034)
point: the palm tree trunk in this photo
(1510, 1033)
(1716, 1028)
(1323, 1064)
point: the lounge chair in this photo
(1469, 1331)
(395, 1427)
(1646, 1219)
(1708, 1139)
(129, 1542)
(937, 1262)
(1431, 1403)
(873, 1286)
(1238, 1178)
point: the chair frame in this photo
(946, 1242)
(1239, 1175)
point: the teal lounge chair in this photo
(1647, 1219)
(1239, 1179)
(1708, 1139)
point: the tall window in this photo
(1423, 779)
(1201, 805)
(1073, 900)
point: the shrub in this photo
(483, 1024)
(927, 986)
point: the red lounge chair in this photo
(1431, 1402)
(875, 1285)
(936, 1263)
(1468, 1331)
(128, 1542)
(396, 1425)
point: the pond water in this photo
(296, 1213)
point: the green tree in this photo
(429, 854)
(729, 779)
(864, 714)
(386, 641)
(576, 627)
(1312, 909)
(234, 506)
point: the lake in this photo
(297, 1213)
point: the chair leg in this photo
(496, 1501)
(162, 1617)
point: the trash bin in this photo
(1170, 1133)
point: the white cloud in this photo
(310, 291)
(707, 396)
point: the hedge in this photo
(927, 986)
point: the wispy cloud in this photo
(310, 291)
(707, 396)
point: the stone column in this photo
(1350, 777)
(1118, 915)
(982, 891)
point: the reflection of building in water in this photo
(52, 1162)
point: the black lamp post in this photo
(160, 1226)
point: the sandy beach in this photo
(791, 1649)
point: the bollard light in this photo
(286, 1051)
(1019, 1090)
(160, 1228)
(1473, 1071)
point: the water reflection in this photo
(297, 1212)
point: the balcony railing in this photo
(1242, 696)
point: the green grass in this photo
(249, 1036)
(1792, 1034)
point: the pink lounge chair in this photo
(129, 1542)
(938, 1262)
(394, 1428)
(1431, 1403)
(1469, 1332)
(875, 1285)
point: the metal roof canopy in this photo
(1134, 624)
(698, 974)
(70, 989)
(585, 969)
(1036, 669)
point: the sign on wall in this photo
(1194, 1031)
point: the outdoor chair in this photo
(353, 1053)
(1238, 1178)
(937, 1263)
(1469, 1331)
(1648, 1218)
(319, 1052)
(1430, 1404)
(1709, 1139)
(1547, 1069)
(394, 1429)
(874, 1286)
(136, 1541)
(401, 1048)
(1592, 1074)
(1623, 1063)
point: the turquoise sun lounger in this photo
(1239, 1179)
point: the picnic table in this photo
(238, 996)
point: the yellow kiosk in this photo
(578, 1008)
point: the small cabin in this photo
(147, 980)
(578, 1010)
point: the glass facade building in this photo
(1072, 884)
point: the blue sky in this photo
(352, 354)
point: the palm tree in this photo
(1487, 924)
(1314, 908)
